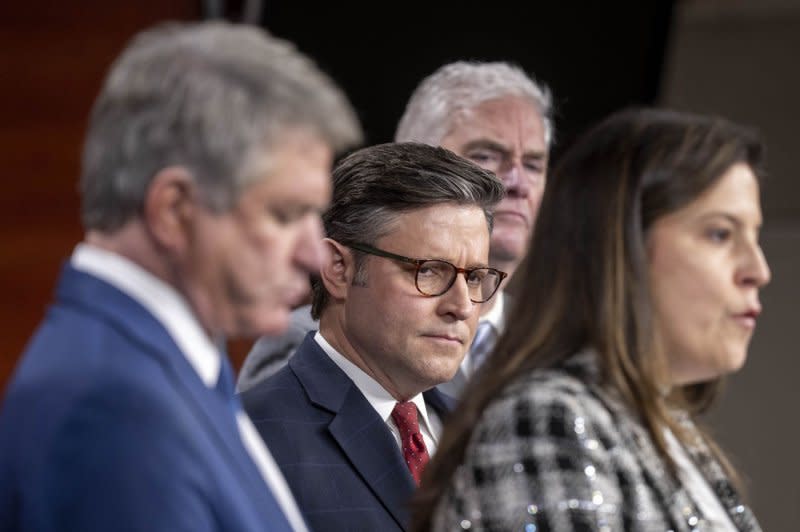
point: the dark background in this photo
(595, 58)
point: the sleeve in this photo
(546, 458)
(125, 466)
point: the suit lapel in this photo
(357, 429)
(675, 502)
(675, 499)
(129, 317)
(371, 448)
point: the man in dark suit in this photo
(206, 163)
(355, 415)
(498, 117)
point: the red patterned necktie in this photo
(414, 451)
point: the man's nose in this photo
(456, 300)
(515, 180)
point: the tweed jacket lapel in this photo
(677, 503)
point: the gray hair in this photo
(461, 86)
(373, 186)
(210, 97)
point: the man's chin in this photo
(447, 370)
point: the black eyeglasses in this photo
(434, 277)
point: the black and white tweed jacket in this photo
(556, 453)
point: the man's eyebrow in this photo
(486, 144)
(538, 155)
(298, 209)
(469, 266)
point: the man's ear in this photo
(338, 271)
(169, 207)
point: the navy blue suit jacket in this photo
(339, 457)
(106, 426)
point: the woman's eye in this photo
(718, 234)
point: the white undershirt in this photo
(382, 401)
(707, 501)
(173, 312)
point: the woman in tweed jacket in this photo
(641, 293)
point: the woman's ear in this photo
(338, 271)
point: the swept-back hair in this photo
(375, 185)
(459, 87)
(212, 97)
(585, 283)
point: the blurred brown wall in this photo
(53, 56)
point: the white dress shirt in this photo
(174, 313)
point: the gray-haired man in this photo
(206, 165)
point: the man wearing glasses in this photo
(355, 415)
(495, 115)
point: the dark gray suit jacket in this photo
(337, 454)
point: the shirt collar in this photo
(381, 400)
(160, 299)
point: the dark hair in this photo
(585, 278)
(372, 186)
